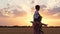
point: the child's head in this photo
(37, 7)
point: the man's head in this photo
(37, 7)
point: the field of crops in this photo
(28, 30)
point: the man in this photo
(37, 25)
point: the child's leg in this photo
(35, 28)
(40, 28)
(41, 31)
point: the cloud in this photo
(3, 16)
(43, 6)
(12, 12)
(54, 10)
(53, 3)
(19, 13)
(3, 13)
(51, 9)
(53, 13)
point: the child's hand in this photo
(31, 21)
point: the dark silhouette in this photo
(37, 24)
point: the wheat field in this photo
(28, 30)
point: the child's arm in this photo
(31, 21)
(44, 24)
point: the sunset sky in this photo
(20, 12)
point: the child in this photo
(37, 25)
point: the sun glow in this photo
(44, 20)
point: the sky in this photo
(20, 12)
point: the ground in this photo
(28, 30)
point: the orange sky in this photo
(20, 12)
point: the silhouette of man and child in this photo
(37, 24)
